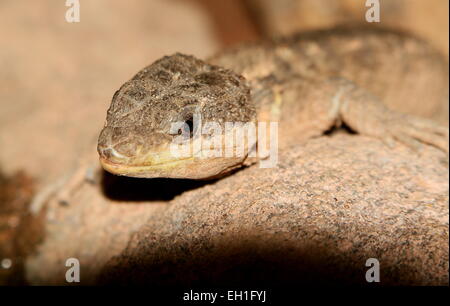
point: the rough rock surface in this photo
(331, 204)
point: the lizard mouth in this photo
(162, 164)
(158, 163)
(162, 169)
(192, 161)
(190, 168)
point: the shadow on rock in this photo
(122, 188)
(240, 262)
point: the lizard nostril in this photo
(125, 149)
(105, 152)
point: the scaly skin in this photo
(374, 81)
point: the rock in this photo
(330, 205)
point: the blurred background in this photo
(57, 78)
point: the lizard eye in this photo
(190, 124)
(188, 128)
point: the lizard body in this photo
(308, 83)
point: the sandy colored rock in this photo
(329, 206)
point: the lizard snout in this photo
(131, 145)
(118, 153)
(118, 145)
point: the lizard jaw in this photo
(147, 171)
(192, 168)
(161, 162)
(151, 165)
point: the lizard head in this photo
(160, 106)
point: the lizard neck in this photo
(268, 101)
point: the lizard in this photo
(371, 80)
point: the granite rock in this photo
(329, 205)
